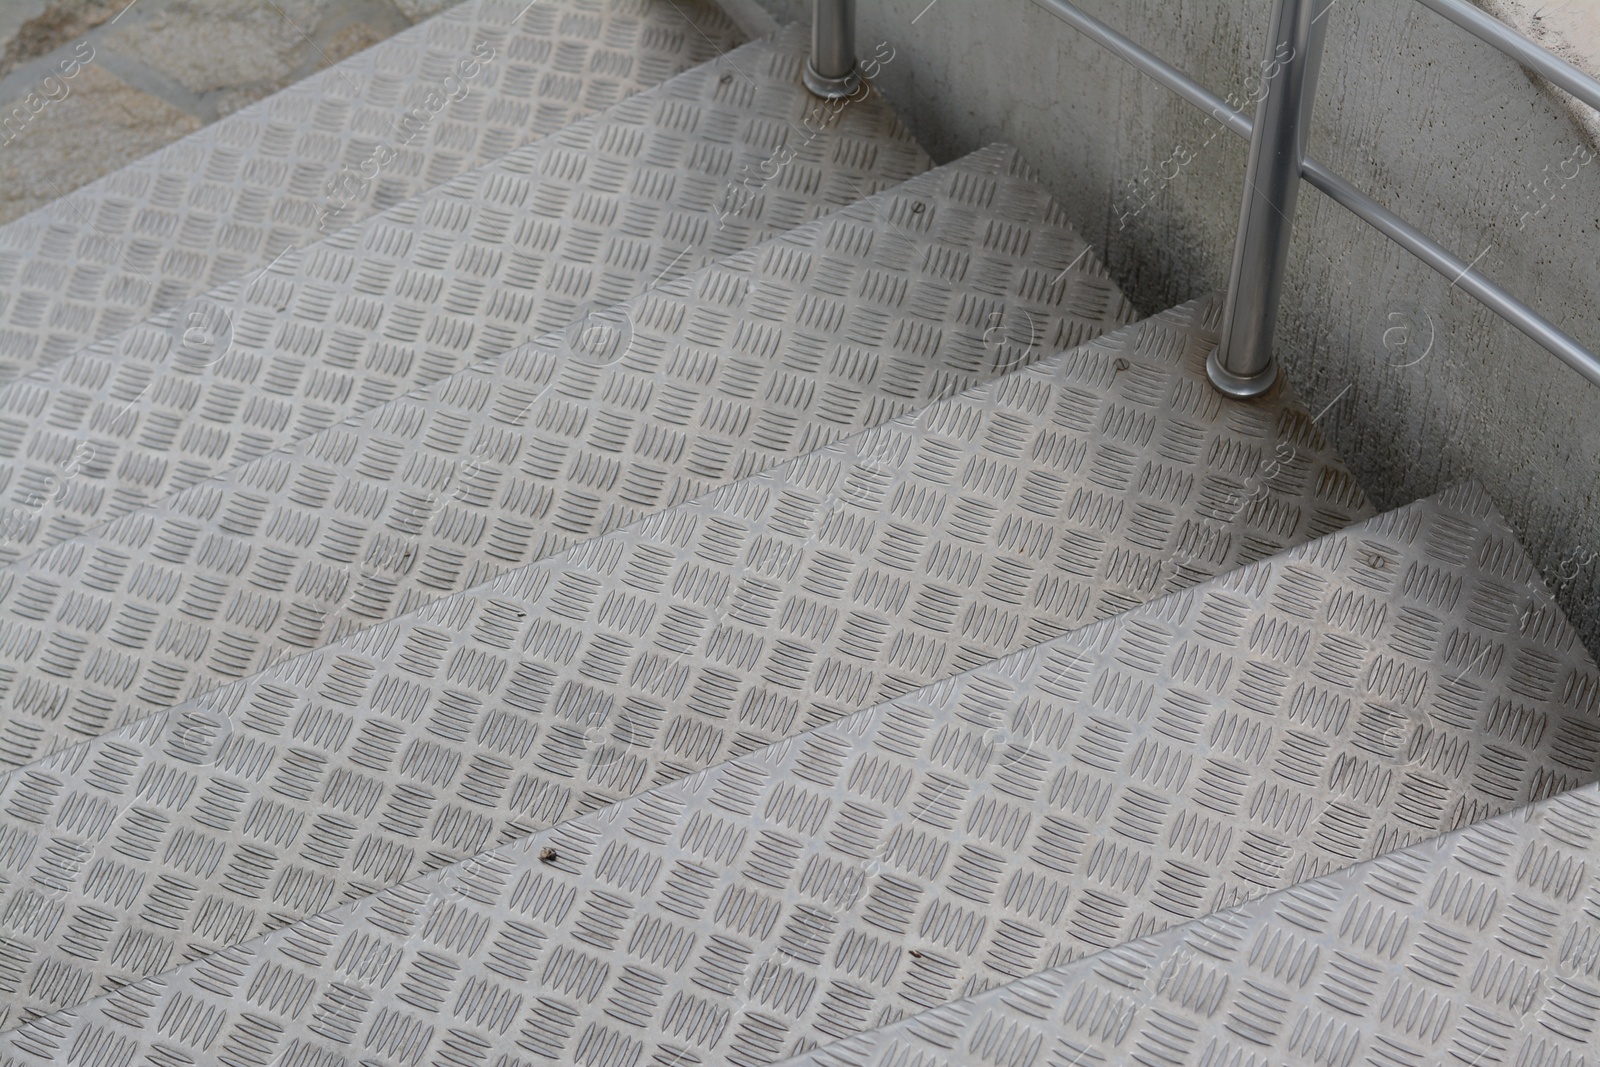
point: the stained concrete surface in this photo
(1570, 29)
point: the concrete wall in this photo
(1423, 387)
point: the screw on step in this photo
(918, 208)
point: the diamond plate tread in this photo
(590, 216)
(1301, 714)
(229, 198)
(1060, 494)
(831, 328)
(1479, 947)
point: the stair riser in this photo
(227, 200)
(1060, 495)
(1107, 785)
(587, 218)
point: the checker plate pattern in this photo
(833, 327)
(590, 216)
(1478, 947)
(1298, 715)
(1062, 493)
(229, 198)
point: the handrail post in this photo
(831, 71)
(1242, 366)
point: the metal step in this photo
(662, 184)
(228, 199)
(1369, 690)
(1063, 493)
(1479, 947)
(834, 327)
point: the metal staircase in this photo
(678, 579)
(230, 198)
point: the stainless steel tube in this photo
(1151, 64)
(1535, 326)
(831, 72)
(1242, 365)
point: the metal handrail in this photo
(1242, 364)
(1461, 273)
(831, 71)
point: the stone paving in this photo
(89, 85)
